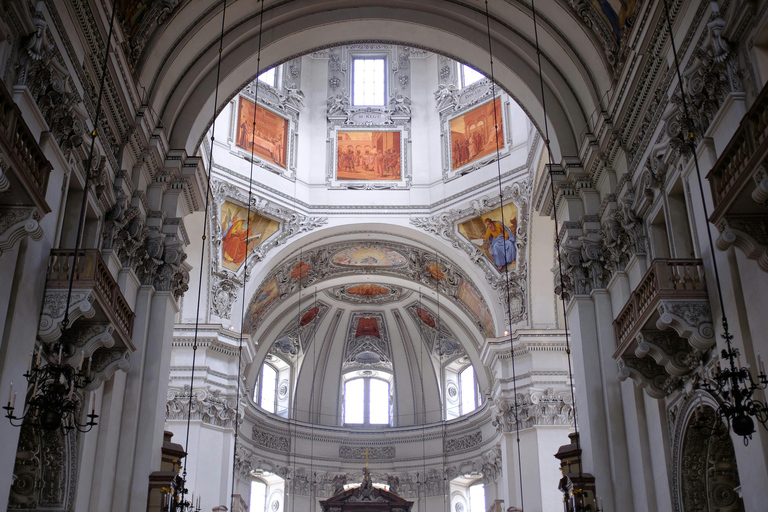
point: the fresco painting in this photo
(239, 237)
(472, 134)
(616, 13)
(360, 256)
(263, 298)
(472, 300)
(367, 327)
(435, 272)
(301, 270)
(368, 290)
(271, 134)
(425, 317)
(370, 156)
(495, 239)
(309, 316)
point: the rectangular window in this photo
(469, 76)
(476, 498)
(258, 496)
(378, 402)
(354, 405)
(368, 82)
(268, 388)
(467, 383)
(269, 77)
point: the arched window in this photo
(367, 400)
(468, 76)
(268, 395)
(476, 498)
(461, 389)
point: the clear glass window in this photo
(367, 402)
(269, 77)
(469, 76)
(467, 390)
(368, 82)
(258, 496)
(476, 498)
(268, 388)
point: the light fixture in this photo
(733, 385)
(55, 398)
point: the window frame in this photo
(385, 377)
(366, 56)
(261, 388)
(461, 76)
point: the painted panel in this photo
(370, 156)
(473, 301)
(271, 137)
(485, 231)
(239, 237)
(472, 134)
(360, 256)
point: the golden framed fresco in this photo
(369, 156)
(485, 231)
(269, 141)
(472, 134)
(238, 236)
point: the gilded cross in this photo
(366, 452)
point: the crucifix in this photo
(366, 452)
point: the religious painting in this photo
(239, 236)
(370, 156)
(271, 135)
(473, 134)
(309, 316)
(301, 270)
(616, 13)
(435, 272)
(495, 234)
(425, 317)
(264, 297)
(367, 327)
(472, 300)
(360, 256)
(367, 290)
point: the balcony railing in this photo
(743, 155)
(665, 279)
(91, 272)
(29, 165)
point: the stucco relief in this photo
(205, 405)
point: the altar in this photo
(366, 498)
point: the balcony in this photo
(665, 326)
(739, 182)
(26, 174)
(100, 319)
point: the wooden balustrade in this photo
(91, 272)
(665, 278)
(28, 163)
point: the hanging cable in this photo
(557, 242)
(202, 258)
(424, 407)
(506, 264)
(245, 262)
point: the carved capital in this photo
(647, 375)
(691, 319)
(17, 223)
(54, 303)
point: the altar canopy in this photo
(366, 498)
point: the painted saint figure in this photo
(235, 241)
(502, 243)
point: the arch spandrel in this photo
(183, 92)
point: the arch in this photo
(180, 67)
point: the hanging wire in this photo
(424, 407)
(557, 241)
(202, 257)
(311, 399)
(245, 262)
(506, 265)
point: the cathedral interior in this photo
(348, 256)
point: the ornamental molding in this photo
(445, 225)
(226, 287)
(16, 223)
(367, 352)
(106, 362)
(207, 405)
(291, 225)
(270, 441)
(463, 443)
(54, 304)
(295, 338)
(691, 319)
(647, 375)
(318, 265)
(749, 234)
(534, 408)
(376, 452)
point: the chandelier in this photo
(55, 395)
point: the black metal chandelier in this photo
(56, 386)
(733, 385)
(55, 396)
